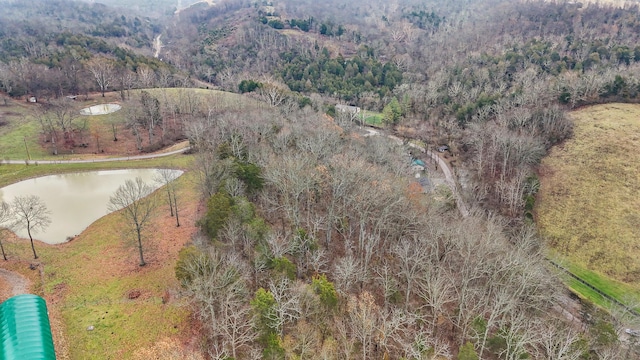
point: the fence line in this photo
(606, 296)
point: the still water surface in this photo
(75, 200)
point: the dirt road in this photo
(17, 284)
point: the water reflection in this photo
(75, 200)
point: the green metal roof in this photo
(25, 333)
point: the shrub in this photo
(325, 290)
(186, 257)
(218, 210)
(251, 175)
(467, 352)
(246, 86)
(285, 267)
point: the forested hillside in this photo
(58, 48)
(316, 242)
(462, 73)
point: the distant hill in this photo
(153, 8)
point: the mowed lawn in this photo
(588, 206)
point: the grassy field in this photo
(130, 307)
(23, 125)
(20, 126)
(587, 207)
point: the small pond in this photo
(101, 109)
(75, 200)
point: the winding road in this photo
(157, 46)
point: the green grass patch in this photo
(373, 118)
(585, 292)
(10, 174)
(624, 293)
(20, 126)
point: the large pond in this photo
(75, 200)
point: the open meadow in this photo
(587, 208)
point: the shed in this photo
(347, 109)
(25, 332)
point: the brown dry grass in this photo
(588, 206)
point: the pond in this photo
(75, 200)
(101, 109)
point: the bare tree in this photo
(48, 128)
(273, 92)
(237, 326)
(30, 213)
(518, 334)
(293, 182)
(409, 253)
(146, 76)
(559, 342)
(63, 114)
(137, 207)
(102, 70)
(167, 178)
(5, 217)
(364, 316)
(348, 272)
(287, 308)
(150, 114)
(436, 292)
(217, 282)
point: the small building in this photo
(348, 109)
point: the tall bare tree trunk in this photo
(139, 232)
(35, 255)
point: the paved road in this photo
(99, 160)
